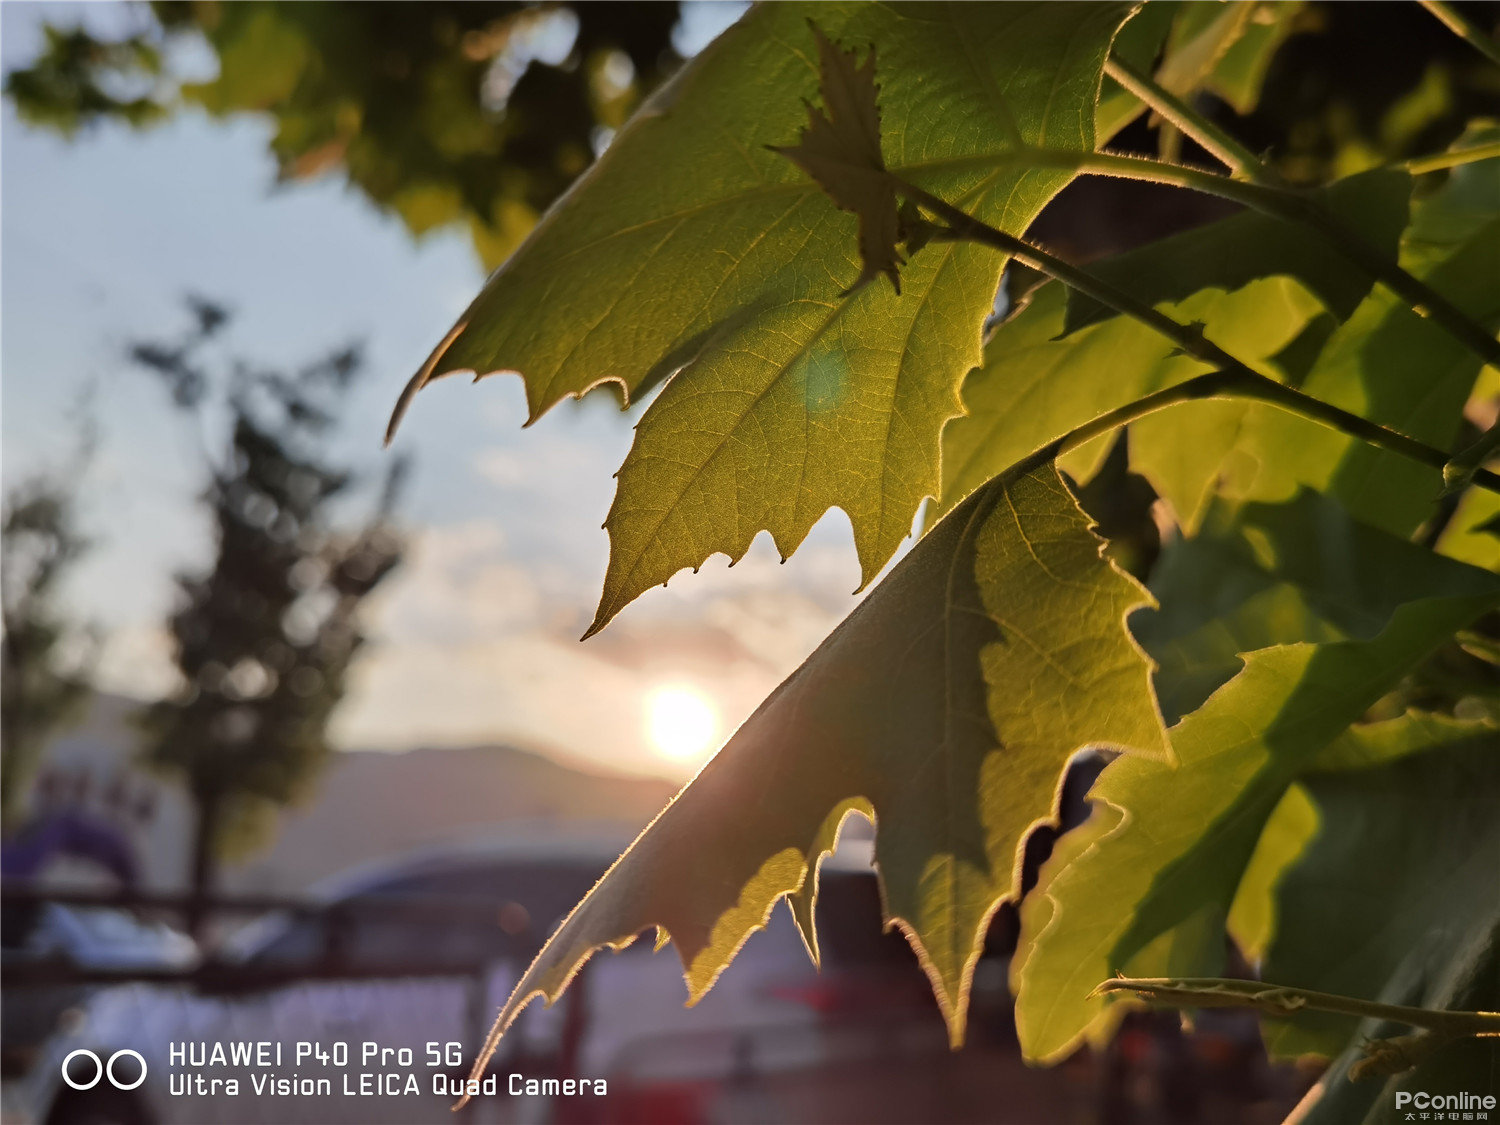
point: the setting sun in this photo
(682, 723)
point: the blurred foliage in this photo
(1290, 523)
(40, 687)
(443, 113)
(480, 115)
(1359, 85)
(265, 636)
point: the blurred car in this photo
(419, 953)
(49, 935)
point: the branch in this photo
(1235, 379)
(1465, 30)
(1293, 207)
(1281, 1003)
(1382, 1056)
(1201, 129)
(1453, 158)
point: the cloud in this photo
(136, 660)
(457, 584)
(476, 641)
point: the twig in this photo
(1201, 129)
(1236, 379)
(1281, 1003)
(1453, 158)
(1465, 30)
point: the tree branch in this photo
(1294, 207)
(1465, 30)
(1234, 378)
(1205, 132)
(1453, 158)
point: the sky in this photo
(475, 639)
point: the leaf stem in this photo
(1453, 158)
(1207, 133)
(1295, 207)
(1231, 379)
(1281, 1002)
(1465, 30)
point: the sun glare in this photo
(681, 722)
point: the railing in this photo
(336, 921)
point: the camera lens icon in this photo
(103, 1069)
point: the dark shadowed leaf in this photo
(1146, 884)
(840, 148)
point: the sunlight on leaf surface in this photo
(690, 247)
(840, 148)
(1146, 884)
(945, 706)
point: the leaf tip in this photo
(423, 376)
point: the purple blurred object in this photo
(68, 832)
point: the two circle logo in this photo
(103, 1069)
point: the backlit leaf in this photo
(1161, 859)
(689, 247)
(840, 148)
(1224, 49)
(1065, 359)
(1297, 819)
(945, 706)
(1037, 384)
(1395, 901)
(1233, 252)
(1396, 847)
(1393, 366)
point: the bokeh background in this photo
(230, 234)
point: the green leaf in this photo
(1398, 847)
(691, 248)
(1261, 575)
(1473, 534)
(945, 706)
(1392, 366)
(1252, 915)
(1037, 384)
(1225, 49)
(1412, 910)
(1294, 824)
(1061, 361)
(1201, 36)
(1241, 70)
(1138, 43)
(1233, 252)
(1159, 862)
(840, 148)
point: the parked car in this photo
(42, 936)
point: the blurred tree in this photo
(265, 636)
(441, 112)
(40, 687)
(480, 114)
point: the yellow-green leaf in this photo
(945, 707)
(1146, 884)
(1255, 285)
(691, 248)
(840, 148)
